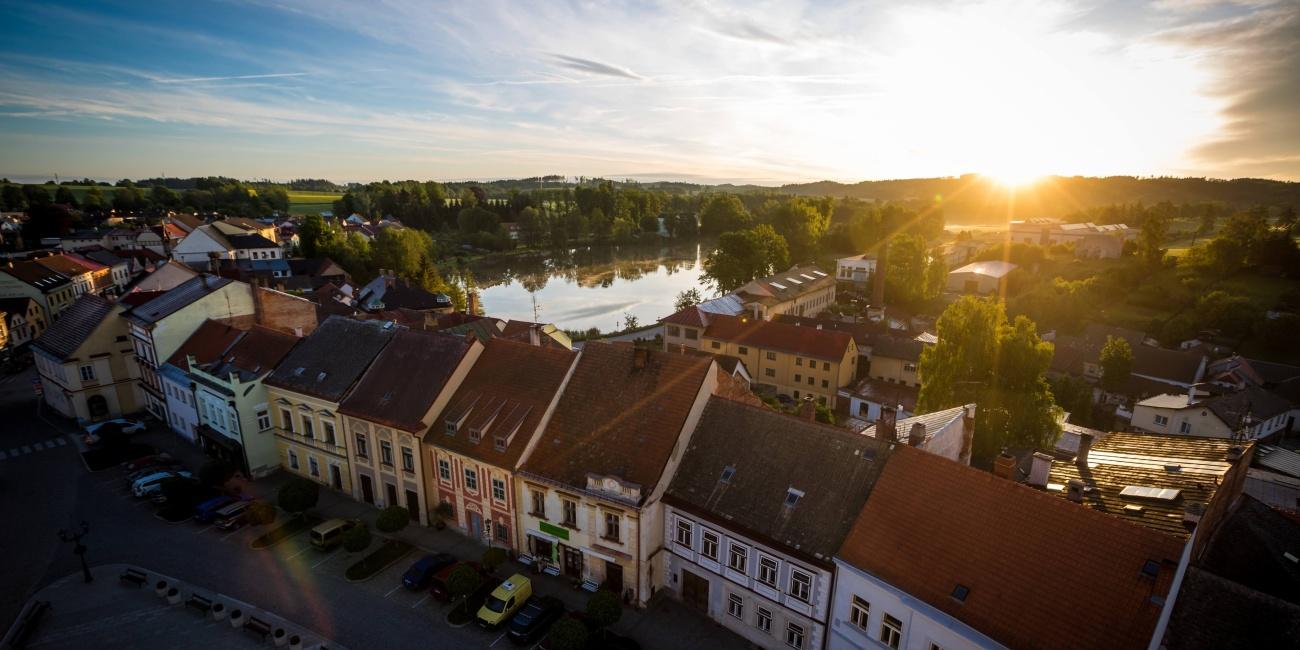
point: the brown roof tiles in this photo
(406, 378)
(767, 335)
(206, 344)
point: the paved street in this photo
(45, 487)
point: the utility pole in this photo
(79, 549)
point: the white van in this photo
(152, 483)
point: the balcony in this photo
(314, 443)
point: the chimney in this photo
(885, 425)
(1192, 515)
(808, 408)
(1075, 491)
(1085, 445)
(1235, 453)
(1005, 466)
(878, 276)
(534, 336)
(1040, 467)
(640, 356)
(916, 437)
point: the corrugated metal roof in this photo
(991, 268)
(177, 298)
(1278, 459)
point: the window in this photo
(709, 544)
(825, 384)
(327, 428)
(363, 450)
(88, 373)
(570, 513)
(613, 526)
(451, 428)
(859, 612)
(315, 469)
(764, 620)
(692, 334)
(263, 420)
(801, 585)
(307, 426)
(769, 372)
(674, 330)
(767, 570)
(471, 479)
(810, 380)
(891, 632)
(798, 362)
(386, 452)
(735, 605)
(771, 356)
(715, 345)
(1185, 427)
(498, 489)
(287, 418)
(293, 460)
(826, 365)
(812, 364)
(798, 378)
(743, 350)
(444, 469)
(1161, 420)
(408, 459)
(501, 531)
(737, 556)
(794, 635)
(685, 533)
(539, 504)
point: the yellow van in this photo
(329, 534)
(504, 601)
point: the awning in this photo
(220, 439)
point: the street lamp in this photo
(79, 549)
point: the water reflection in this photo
(592, 286)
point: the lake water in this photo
(592, 286)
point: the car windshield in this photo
(495, 604)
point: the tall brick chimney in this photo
(885, 426)
(878, 278)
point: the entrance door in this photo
(336, 477)
(614, 577)
(367, 489)
(476, 525)
(572, 562)
(413, 504)
(695, 591)
(392, 494)
(543, 549)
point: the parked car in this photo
(191, 491)
(151, 484)
(330, 534)
(147, 461)
(111, 431)
(505, 600)
(420, 573)
(438, 585)
(151, 470)
(232, 516)
(205, 512)
(535, 617)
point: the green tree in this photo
(1231, 315)
(310, 233)
(723, 213)
(568, 633)
(93, 200)
(744, 255)
(164, 197)
(356, 539)
(801, 224)
(65, 196)
(298, 495)
(1151, 237)
(1116, 363)
(463, 581)
(12, 198)
(688, 298)
(905, 270)
(392, 519)
(604, 609)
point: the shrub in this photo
(493, 557)
(215, 472)
(463, 581)
(568, 633)
(604, 609)
(443, 510)
(260, 512)
(298, 495)
(356, 539)
(392, 519)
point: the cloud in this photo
(275, 75)
(748, 31)
(594, 67)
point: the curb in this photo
(409, 547)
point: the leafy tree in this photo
(392, 519)
(310, 233)
(164, 197)
(463, 581)
(215, 472)
(630, 321)
(1153, 233)
(688, 298)
(1116, 363)
(65, 196)
(723, 213)
(1180, 328)
(1231, 315)
(1287, 220)
(93, 200)
(475, 219)
(13, 199)
(298, 495)
(905, 271)
(36, 195)
(568, 633)
(493, 557)
(48, 220)
(801, 224)
(604, 609)
(357, 538)
(260, 512)
(744, 255)
(936, 275)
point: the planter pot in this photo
(218, 611)
(295, 642)
(280, 637)
(160, 588)
(236, 619)
(173, 596)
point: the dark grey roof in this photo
(1214, 612)
(771, 453)
(897, 347)
(107, 258)
(17, 305)
(1249, 546)
(1174, 365)
(406, 295)
(327, 363)
(176, 298)
(241, 242)
(74, 326)
(1274, 373)
(37, 275)
(1262, 405)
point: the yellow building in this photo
(793, 360)
(800, 291)
(86, 364)
(304, 394)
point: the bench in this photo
(199, 603)
(258, 626)
(134, 577)
(590, 585)
(27, 622)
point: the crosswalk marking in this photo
(40, 445)
(13, 452)
(61, 441)
(27, 449)
(3, 455)
(49, 444)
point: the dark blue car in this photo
(420, 573)
(205, 512)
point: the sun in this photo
(1014, 177)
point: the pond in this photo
(591, 286)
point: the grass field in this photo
(302, 202)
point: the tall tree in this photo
(1116, 363)
(723, 213)
(905, 271)
(743, 255)
(1151, 237)
(688, 298)
(801, 223)
(309, 235)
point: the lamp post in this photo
(79, 549)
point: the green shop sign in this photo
(562, 533)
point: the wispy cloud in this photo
(593, 67)
(275, 75)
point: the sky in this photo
(745, 92)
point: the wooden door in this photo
(367, 490)
(695, 591)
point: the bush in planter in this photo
(444, 512)
(298, 494)
(604, 609)
(568, 633)
(392, 519)
(493, 557)
(463, 580)
(260, 512)
(215, 472)
(356, 539)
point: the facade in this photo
(234, 411)
(858, 269)
(86, 276)
(86, 364)
(254, 247)
(1048, 232)
(306, 388)
(800, 291)
(894, 360)
(749, 537)
(788, 359)
(119, 269)
(591, 484)
(683, 328)
(54, 291)
(1215, 417)
(21, 321)
(390, 409)
(209, 342)
(982, 278)
(200, 245)
(475, 443)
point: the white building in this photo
(1262, 413)
(858, 268)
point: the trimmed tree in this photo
(568, 633)
(392, 519)
(493, 557)
(298, 495)
(261, 512)
(357, 538)
(463, 581)
(604, 609)
(1116, 363)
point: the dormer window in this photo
(792, 497)
(452, 425)
(475, 435)
(727, 472)
(297, 372)
(499, 443)
(320, 377)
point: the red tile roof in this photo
(406, 378)
(207, 344)
(1041, 572)
(690, 317)
(505, 394)
(260, 349)
(617, 419)
(767, 335)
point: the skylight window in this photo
(820, 274)
(778, 285)
(960, 592)
(794, 281)
(1150, 568)
(727, 472)
(792, 497)
(1152, 493)
(807, 277)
